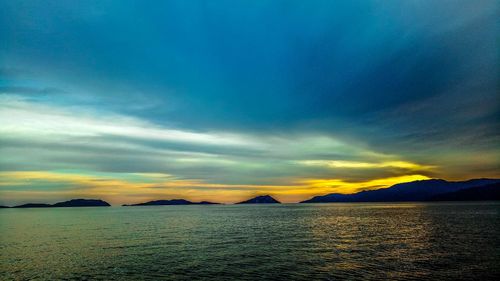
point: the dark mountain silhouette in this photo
(411, 191)
(171, 202)
(70, 203)
(207, 203)
(265, 199)
(82, 203)
(479, 193)
(33, 205)
(4, 207)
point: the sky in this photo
(129, 101)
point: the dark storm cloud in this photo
(267, 65)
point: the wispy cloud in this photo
(99, 153)
(366, 165)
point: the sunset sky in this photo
(129, 101)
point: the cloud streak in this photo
(89, 145)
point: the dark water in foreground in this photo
(235, 242)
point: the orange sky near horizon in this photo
(145, 187)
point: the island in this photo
(488, 192)
(70, 203)
(423, 190)
(264, 199)
(82, 203)
(33, 205)
(170, 202)
(207, 203)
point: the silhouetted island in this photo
(70, 203)
(207, 203)
(33, 205)
(423, 190)
(82, 203)
(4, 207)
(479, 193)
(171, 202)
(264, 199)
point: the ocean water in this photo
(402, 241)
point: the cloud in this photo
(248, 93)
(20, 117)
(47, 147)
(365, 165)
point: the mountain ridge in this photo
(263, 199)
(66, 204)
(170, 202)
(421, 190)
(479, 193)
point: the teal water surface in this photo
(401, 241)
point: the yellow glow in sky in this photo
(133, 188)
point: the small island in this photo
(264, 199)
(170, 202)
(33, 205)
(65, 204)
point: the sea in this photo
(335, 241)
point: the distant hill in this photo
(70, 203)
(479, 193)
(265, 199)
(33, 205)
(82, 203)
(171, 202)
(207, 203)
(411, 191)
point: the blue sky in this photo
(221, 100)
